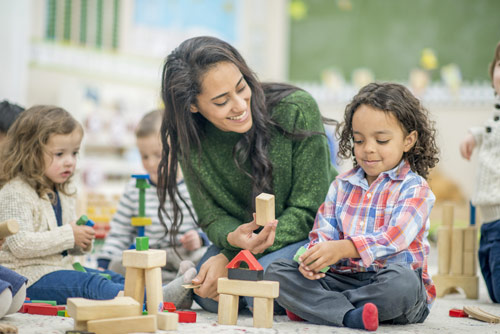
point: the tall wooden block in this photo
(81, 309)
(457, 250)
(444, 250)
(264, 209)
(448, 214)
(154, 293)
(228, 309)
(263, 309)
(134, 283)
(123, 325)
(263, 289)
(470, 251)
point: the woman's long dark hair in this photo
(183, 130)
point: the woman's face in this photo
(225, 98)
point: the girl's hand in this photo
(191, 240)
(209, 274)
(467, 146)
(83, 235)
(244, 238)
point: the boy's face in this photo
(150, 149)
(496, 77)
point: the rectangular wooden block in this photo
(134, 284)
(444, 283)
(444, 250)
(144, 259)
(263, 309)
(167, 321)
(457, 250)
(228, 309)
(82, 309)
(470, 266)
(154, 293)
(470, 239)
(245, 274)
(143, 323)
(264, 209)
(264, 289)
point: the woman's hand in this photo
(191, 240)
(83, 235)
(467, 146)
(244, 237)
(209, 274)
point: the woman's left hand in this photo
(191, 240)
(245, 238)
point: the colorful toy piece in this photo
(142, 243)
(84, 220)
(247, 257)
(142, 184)
(301, 251)
(186, 316)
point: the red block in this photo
(186, 316)
(247, 257)
(457, 313)
(43, 309)
(170, 307)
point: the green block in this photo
(301, 251)
(82, 220)
(50, 302)
(142, 243)
(61, 313)
(144, 312)
(142, 184)
(107, 276)
(78, 267)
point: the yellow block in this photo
(141, 221)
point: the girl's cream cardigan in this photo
(36, 249)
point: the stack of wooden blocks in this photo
(457, 253)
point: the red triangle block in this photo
(247, 257)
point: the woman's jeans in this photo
(286, 252)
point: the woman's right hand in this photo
(209, 274)
(83, 235)
(467, 146)
(244, 237)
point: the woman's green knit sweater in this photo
(302, 173)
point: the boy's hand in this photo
(83, 235)
(310, 274)
(243, 237)
(191, 240)
(467, 146)
(326, 253)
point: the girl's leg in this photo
(17, 300)
(5, 301)
(63, 284)
(115, 277)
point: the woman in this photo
(235, 138)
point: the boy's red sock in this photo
(370, 317)
(292, 316)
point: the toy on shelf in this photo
(230, 291)
(457, 251)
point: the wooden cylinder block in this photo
(444, 250)
(457, 251)
(448, 214)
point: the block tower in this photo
(457, 252)
(141, 221)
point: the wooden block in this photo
(448, 215)
(80, 325)
(470, 266)
(447, 283)
(228, 309)
(82, 309)
(247, 257)
(140, 221)
(457, 250)
(144, 259)
(143, 323)
(477, 313)
(264, 289)
(154, 293)
(8, 227)
(444, 250)
(167, 321)
(186, 316)
(134, 284)
(264, 209)
(470, 239)
(245, 274)
(263, 309)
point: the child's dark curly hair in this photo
(399, 101)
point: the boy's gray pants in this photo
(397, 291)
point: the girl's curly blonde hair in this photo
(23, 152)
(400, 102)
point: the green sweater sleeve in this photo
(302, 173)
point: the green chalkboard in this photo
(388, 36)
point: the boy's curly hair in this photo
(400, 102)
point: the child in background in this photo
(8, 114)
(122, 234)
(487, 193)
(371, 231)
(38, 160)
